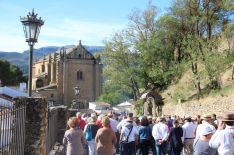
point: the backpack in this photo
(88, 133)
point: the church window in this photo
(42, 68)
(79, 75)
(79, 56)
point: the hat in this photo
(205, 130)
(188, 118)
(140, 117)
(162, 119)
(206, 116)
(228, 116)
(149, 117)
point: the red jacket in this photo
(81, 124)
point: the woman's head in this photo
(93, 119)
(105, 121)
(72, 122)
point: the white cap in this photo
(149, 117)
(206, 130)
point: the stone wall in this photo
(209, 105)
(43, 127)
(56, 128)
(61, 122)
(35, 125)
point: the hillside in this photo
(21, 58)
(180, 98)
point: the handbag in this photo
(125, 139)
(88, 133)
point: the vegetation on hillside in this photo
(156, 52)
(10, 74)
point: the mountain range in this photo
(21, 59)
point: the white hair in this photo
(78, 114)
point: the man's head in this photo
(94, 114)
(162, 119)
(78, 115)
(110, 115)
(188, 119)
(130, 114)
(228, 118)
(150, 119)
(176, 123)
(207, 118)
(130, 117)
(214, 116)
(207, 132)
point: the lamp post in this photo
(31, 27)
(77, 94)
(77, 91)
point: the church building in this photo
(57, 75)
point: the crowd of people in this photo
(110, 134)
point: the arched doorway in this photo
(39, 83)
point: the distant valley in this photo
(21, 59)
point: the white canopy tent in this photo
(126, 103)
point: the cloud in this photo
(12, 43)
(67, 32)
(73, 30)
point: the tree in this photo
(153, 51)
(10, 74)
(138, 56)
(120, 63)
(154, 44)
(114, 94)
(203, 21)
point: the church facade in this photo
(56, 75)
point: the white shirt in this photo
(113, 124)
(160, 131)
(200, 127)
(133, 133)
(189, 130)
(123, 123)
(223, 140)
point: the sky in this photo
(68, 21)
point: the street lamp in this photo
(31, 27)
(77, 91)
(77, 94)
